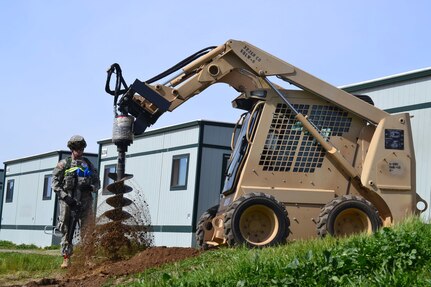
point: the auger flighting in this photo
(122, 137)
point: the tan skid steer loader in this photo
(305, 162)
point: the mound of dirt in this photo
(97, 275)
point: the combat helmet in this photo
(76, 142)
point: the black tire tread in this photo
(228, 231)
(321, 225)
(200, 232)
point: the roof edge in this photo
(195, 123)
(47, 154)
(392, 79)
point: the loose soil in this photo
(109, 271)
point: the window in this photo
(47, 189)
(9, 190)
(224, 164)
(106, 179)
(180, 166)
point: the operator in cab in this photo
(74, 180)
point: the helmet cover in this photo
(76, 142)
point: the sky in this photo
(54, 55)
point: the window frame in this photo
(9, 193)
(106, 179)
(47, 183)
(224, 165)
(179, 186)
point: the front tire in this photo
(348, 215)
(256, 220)
(205, 225)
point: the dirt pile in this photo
(94, 276)
(114, 240)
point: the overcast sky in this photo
(54, 55)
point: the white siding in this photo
(173, 239)
(400, 94)
(9, 211)
(36, 237)
(421, 122)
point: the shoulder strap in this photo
(88, 162)
(68, 163)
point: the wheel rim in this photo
(258, 225)
(352, 221)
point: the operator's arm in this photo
(57, 179)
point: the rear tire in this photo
(256, 220)
(348, 215)
(204, 224)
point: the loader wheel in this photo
(204, 224)
(347, 215)
(256, 220)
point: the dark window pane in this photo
(180, 165)
(47, 189)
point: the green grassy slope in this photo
(399, 256)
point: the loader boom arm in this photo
(242, 66)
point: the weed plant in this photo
(399, 256)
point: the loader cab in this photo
(241, 139)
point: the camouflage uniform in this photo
(77, 179)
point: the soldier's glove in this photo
(70, 201)
(86, 188)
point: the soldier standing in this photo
(74, 180)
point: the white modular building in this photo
(1, 179)
(178, 171)
(408, 92)
(28, 205)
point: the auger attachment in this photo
(122, 137)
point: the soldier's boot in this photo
(66, 262)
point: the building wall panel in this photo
(176, 206)
(217, 135)
(173, 239)
(211, 178)
(9, 211)
(188, 136)
(36, 237)
(400, 94)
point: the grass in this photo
(399, 256)
(9, 245)
(18, 268)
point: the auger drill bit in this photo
(122, 137)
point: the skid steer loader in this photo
(305, 162)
